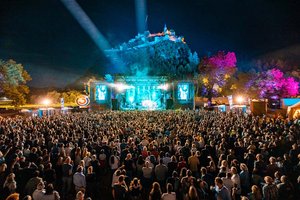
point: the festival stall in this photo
(294, 111)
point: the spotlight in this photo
(131, 99)
(46, 102)
(163, 87)
(240, 99)
(121, 87)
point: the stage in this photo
(141, 93)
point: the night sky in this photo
(55, 50)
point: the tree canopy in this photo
(215, 72)
(13, 79)
(54, 96)
(273, 83)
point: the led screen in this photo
(101, 92)
(183, 91)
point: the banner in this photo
(62, 103)
(83, 101)
(230, 100)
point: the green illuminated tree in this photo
(13, 79)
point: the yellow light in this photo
(233, 87)
(240, 99)
(46, 102)
(205, 81)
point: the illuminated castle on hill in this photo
(161, 53)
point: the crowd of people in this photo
(155, 155)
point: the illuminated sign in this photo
(83, 100)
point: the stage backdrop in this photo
(142, 93)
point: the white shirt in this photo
(167, 196)
(166, 160)
(26, 152)
(38, 194)
(54, 196)
(115, 179)
(87, 161)
(115, 165)
(68, 151)
(79, 179)
(228, 183)
(236, 180)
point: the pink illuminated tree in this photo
(292, 86)
(215, 72)
(273, 83)
(222, 60)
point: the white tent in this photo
(5, 101)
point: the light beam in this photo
(87, 24)
(141, 16)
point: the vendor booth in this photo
(294, 111)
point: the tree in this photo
(70, 96)
(295, 74)
(215, 72)
(273, 84)
(54, 96)
(240, 84)
(13, 79)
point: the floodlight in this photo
(46, 102)
(163, 87)
(240, 99)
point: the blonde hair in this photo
(224, 163)
(192, 192)
(90, 169)
(244, 167)
(256, 192)
(133, 182)
(268, 179)
(233, 170)
(80, 195)
(68, 160)
(82, 163)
